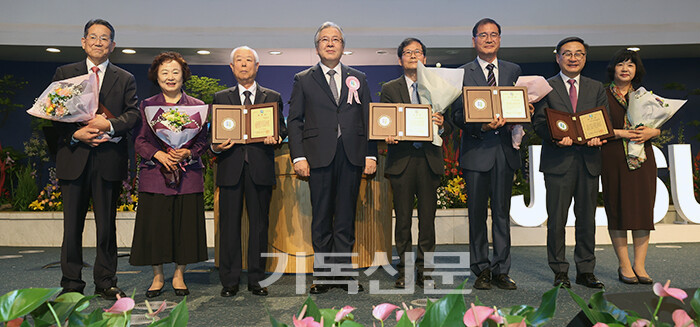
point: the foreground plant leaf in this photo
(19, 303)
(545, 311)
(448, 311)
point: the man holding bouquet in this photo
(92, 161)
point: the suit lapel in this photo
(317, 74)
(343, 87)
(108, 81)
(477, 74)
(260, 95)
(403, 90)
(502, 74)
(234, 97)
(558, 85)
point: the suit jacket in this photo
(555, 159)
(314, 117)
(260, 156)
(118, 94)
(478, 149)
(398, 155)
(146, 144)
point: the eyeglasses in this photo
(94, 37)
(334, 40)
(577, 55)
(409, 53)
(484, 35)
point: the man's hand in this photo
(494, 124)
(90, 136)
(390, 140)
(596, 142)
(166, 160)
(531, 108)
(179, 155)
(270, 140)
(370, 166)
(302, 169)
(223, 146)
(101, 123)
(567, 141)
(438, 119)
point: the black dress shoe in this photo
(257, 290)
(347, 282)
(625, 279)
(319, 288)
(400, 282)
(503, 281)
(109, 293)
(563, 279)
(643, 280)
(69, 290)
(181, 291)
(154, 293)
(483, 282)
(589, 280)
(229, 291)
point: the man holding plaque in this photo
(414, 169)
(92, 162)
(245, 169)
(328, 116)
(488, 161)
(570, 170)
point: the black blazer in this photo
(398, 155)
(555, 159)
(478, 149)
(261, 157)
(314, 118)
(118, 94)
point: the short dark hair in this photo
(484, 21)
(571, 39)
(99, 21)
(407, 41)
(165, 57)
(623, 55)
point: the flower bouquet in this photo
(537, 89)
(70, 100)
(439, 87)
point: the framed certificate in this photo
(581, 126)
(483, 103)
(244, 124)
(404, 122)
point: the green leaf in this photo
(276, 323)
(328, 316)
(311, 309)
(448, 311)
(19, 303)
(478, 302)
(695, 302)
(592, 316)
(599, 303)
(545, 311)
(516, 310)
(404, 321)
(350, 323)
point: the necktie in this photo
(491, 78)
(333, 85)
(247, 95)
(415, 99)
(96, 69)
(572, 94)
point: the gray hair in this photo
(245, 47)
(328, 25)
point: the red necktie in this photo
(96, 69)
(572, 94)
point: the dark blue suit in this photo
(488, 161)
(336, 161)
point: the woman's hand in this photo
(624, 133)
(642, 134)
(166, 160)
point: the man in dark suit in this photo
(92, 161)
(328, 116)
(488, 161)
(414, 169)
(245, 169)
(571, 170)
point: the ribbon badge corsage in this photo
(353, 85)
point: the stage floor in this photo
(21, 268)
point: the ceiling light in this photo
(128, 51)
(381, 52)
(633, 49)
(203, 52)
(53, 50)
(275, 53)
(347, 52)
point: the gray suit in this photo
(570, 172)
(488, 161)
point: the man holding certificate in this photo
(245, 169)
(414, 170)
(570, 170)
(488, 161)
(328, 116)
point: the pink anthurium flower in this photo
(518, 324)
(477, 315)
(382, 311)
(343, 312)
(160, 309)
(664, 291)
(641, 323)
(122, 305)
(413, 314)
(600, 324)
(681, 318)
(306, 322)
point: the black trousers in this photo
(257, 201)
(334, 190)
(416, 181)
(76, 199)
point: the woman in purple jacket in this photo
(170, 217)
